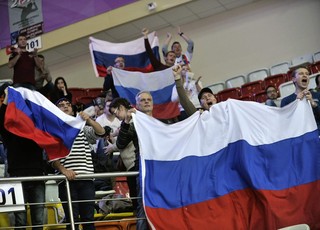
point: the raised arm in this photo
(188, 41)
(98, 129)
(166, 44)
(189, 108)
(156, 64)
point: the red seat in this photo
(251, 88)
(225, 94)
(248, 97)
(85, 100)
(276, 80)
(260, 96)
(77, 92)
(315, 67)
(94, 92)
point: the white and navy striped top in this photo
(79, 160)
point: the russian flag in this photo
(241, 165)
(160, 84)
(31, 115)
(104, 53)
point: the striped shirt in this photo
(79, 160)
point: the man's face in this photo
(272, 93)
(119, 63)
(145, 103)
(176, 48)
(170, 59)
(22, 42)
(207, 100)
(66, 107)
(301, 78)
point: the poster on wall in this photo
(25, 17)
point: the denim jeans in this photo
(142, 223)
(79, 190)
(33, 192)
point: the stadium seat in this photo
(258, 75)
(296, 227)
(315, 67)
(225, 94)
(251, 88)
(276, 80)
(312, 81)
(260, 97)
(235, 81)
(77, 92)
(86, 100)
(216, 87)
(249, 97)
(287, 88)
(316, 57)
(94, 92)
(302, 60)
(282, 67)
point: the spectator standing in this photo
(170, 57)
(25, 158)
(119, 63)
(110, 120)
(127, 133)
(43, 74)
(272, 95)
(23, 64)
(181, 59)
(78, 162)
(300, 78)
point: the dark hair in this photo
(20, 35)
(170, 52)
(176, 42)
(120, 57)
(269, 86)
(119, 101)
(317, 79)
(56, 82)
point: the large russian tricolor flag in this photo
(241, 165)
(104, 53)
(31, 115)
(160, 84)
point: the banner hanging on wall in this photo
(25, 17)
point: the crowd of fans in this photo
(109, 127)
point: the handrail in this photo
(62, 177)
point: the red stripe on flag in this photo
(165, 111)
(246, 210)
(16, 120)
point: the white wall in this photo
(236, 42)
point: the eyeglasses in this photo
(61, 105)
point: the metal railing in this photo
(69, 200)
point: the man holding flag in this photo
(25, 158)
